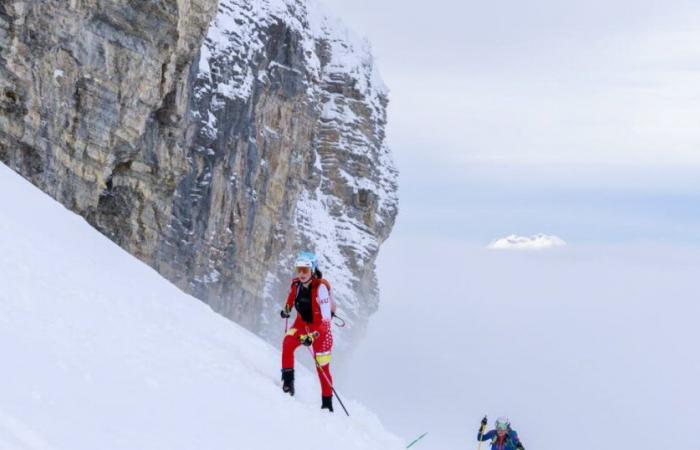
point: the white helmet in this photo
(306, 259)
(502, 423)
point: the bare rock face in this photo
(212, 144)
(93, 106)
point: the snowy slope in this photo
(99, 352)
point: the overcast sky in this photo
(573, 117)
(541, 81)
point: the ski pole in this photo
(325, 377)
(481, 432)
(286, 318)
(416, 440)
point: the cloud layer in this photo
(589, 340)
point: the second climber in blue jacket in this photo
(503, 437)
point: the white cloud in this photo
(536, 242)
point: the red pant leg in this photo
(323, 345)
(290, 344)
(324, 376)
(324, 342)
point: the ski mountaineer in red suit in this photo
(310, 295)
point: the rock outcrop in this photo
(211, 141)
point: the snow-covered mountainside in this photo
(100, 352)
(211, 139)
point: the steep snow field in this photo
(99, 352)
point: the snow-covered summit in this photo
(536, 242)
(100, 352)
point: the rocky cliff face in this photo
(211, 143)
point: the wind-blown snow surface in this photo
(99, 352)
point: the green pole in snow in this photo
(418, 439)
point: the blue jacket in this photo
(511, 442)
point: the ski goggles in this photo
(303, 270)
(502, 426)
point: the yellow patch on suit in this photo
(323, 359)
(291, 332)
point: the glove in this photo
(484, 421)
(285, 312)
(308, 339)
(519, 446)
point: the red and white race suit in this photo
(317, 323)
